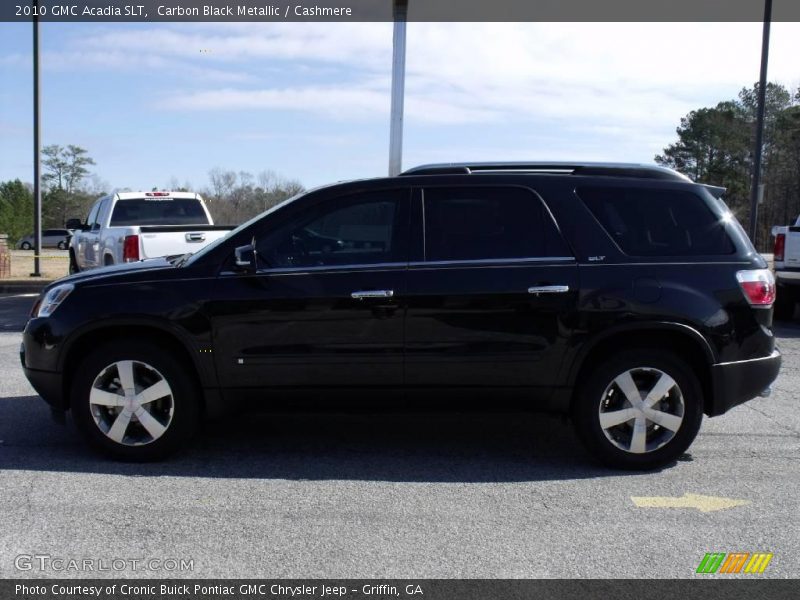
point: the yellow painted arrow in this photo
(701, 503)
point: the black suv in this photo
(624, 295)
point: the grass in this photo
(52, 266)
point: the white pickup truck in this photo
(787, 268)
(131, 226)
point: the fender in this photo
(203, 361)
(640, 326)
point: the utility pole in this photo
(762, 91)
(398, 87)
(37, 148)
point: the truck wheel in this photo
(108, 260)
(785, 301)
(73, 264)
(133, 401)
(639, 410)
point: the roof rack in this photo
(642, 171)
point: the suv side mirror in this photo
(245, 259)
(74, 224)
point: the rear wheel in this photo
(785, 301)
(25, 246)
(133, 401)
(639, 410)
(62, 245)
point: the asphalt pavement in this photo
(397, 495)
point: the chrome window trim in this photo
(493, 261)
(391, 266)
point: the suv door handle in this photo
(360, 295)
(548, 289)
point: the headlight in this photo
(52, 299)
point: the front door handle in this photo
(548, 289)
(360, 295)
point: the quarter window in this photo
(478, 223)
(657, 222)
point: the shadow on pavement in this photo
(401, 447)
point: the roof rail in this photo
(643, 171)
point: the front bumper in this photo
(48, 384)
(740, 381)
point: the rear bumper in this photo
(740, 381)
(788, 276)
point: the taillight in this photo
(130, 249)
(758, 286)
(780, 245)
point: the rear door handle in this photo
(548, 289)
(360, 295)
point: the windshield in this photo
(206, 249)
(159, 211)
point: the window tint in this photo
(159, 211)
(358, 229)
(652, 222)
(473, 223)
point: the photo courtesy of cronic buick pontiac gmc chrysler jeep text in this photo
(623, 295)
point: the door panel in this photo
(305, 329)
(478, 325)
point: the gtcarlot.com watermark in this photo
(61, 564)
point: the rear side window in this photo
(475, 223)
(176, 211)
(652, 222)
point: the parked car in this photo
(625, 296)
(51, 238)
(786, 254)
(132, 226)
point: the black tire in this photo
(785, 302)
(108, 261)
(599, 389)
(181, 421)
(25, 246)
(62, 245)
(73, 264)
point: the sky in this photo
(161, 103)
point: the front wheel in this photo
(25, 246)
(62, 245)
(133, 401)
(73, 264)
(639, 410)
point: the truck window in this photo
(172, 211)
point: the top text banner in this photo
(384, 10)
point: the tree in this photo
(16, 210)
(65, 170)
(715, 145)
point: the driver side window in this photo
(360, 229)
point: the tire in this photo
(62, 245)
(73, 264)
(108, 261)
(785, 301)
(25, 246)
(134, 428)
(622, 444)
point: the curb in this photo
(23, 287)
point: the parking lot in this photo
(410, 495)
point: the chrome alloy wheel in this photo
(641, 410)
(131, 403)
